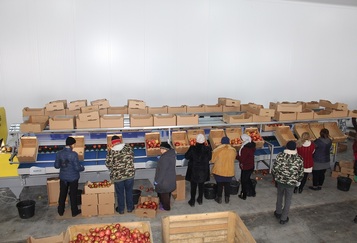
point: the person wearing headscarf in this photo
(288, 171)
(198, 173)
(246, 163)
(305, 149)
(223, 158)
(165, 175)
(120, 162)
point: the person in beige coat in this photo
(223, 158)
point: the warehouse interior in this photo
(253, 56)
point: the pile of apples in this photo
(148, 205)
(113, 233)
(254, 134)
(179, 144)
(236, 141)
(152, 143)
(100, 184)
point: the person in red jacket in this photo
(245, 157)
(305, 148)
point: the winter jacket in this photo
(68, 163)
(354, 148)
(198, 157)
(246, 159)
(322, 150)
(288, 168)
(223, 158)
(165, 176)
(306, 152)
(120, 162)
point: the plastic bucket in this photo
(209, 190)
(234, 188)
(250, 192)
(343, 183)
(136, 196)
(26, 208)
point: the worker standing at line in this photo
(223, 158)
(68, 163)
(120, 162)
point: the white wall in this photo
(175, 51)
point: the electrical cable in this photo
(5, 199)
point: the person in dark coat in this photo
(321, 159)
(246, 163)
(68, 163)
(197, 173)
(165, 176)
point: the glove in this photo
(298, 184)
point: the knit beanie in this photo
(225, 140)
(200, 138)
(70, 141)
(165, 145)
(291, 145)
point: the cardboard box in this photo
(215, 136)
(338, 113)
(257, 118)
(137, 111)
(106, 198)
(177, 109)
(186, 119)
(271, 127)
(73, 230)
(352, 113)
(89, 210)
(242, 118)
(87, 124)
(88, 109)
(88, 190)
(213, 108)
(101, 103)
(180, 193)
(283, 134)
(112, 121)
(62, 123)
(136, 104)
(76, 104)
(55, 113)
(34, 124)
(72, 113)
(146, 212)
(106, 209)
(346, 164)
(230, 108)
(33, 111)
(89, 116)
(53, 190)
(56, 105)
(260, 111)
(192, 134)
(311, 105)
(89, 199)
(337, 106)
(335, 174)
(157, 110)
(286, 106)
(164, 120)
(195, 109)
(335, 133)
(315, 128)
(155, 138)
(244, 107)
(79, 147)
(284, 116)
(306, 114)
(234, 136)
(180, 141)
(27, 151)
(141, 120)
(117, 110)
(52, 239)
(206, 227)
(254, 130)
(229, 102)
(300, 128)
(348, 171)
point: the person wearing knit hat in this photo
(165, 175)
(246, 163)
(223, 158)
(287, 171)
(120, 162)
(68, 163)
(198, 171)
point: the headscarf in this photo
(245, 139)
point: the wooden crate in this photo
(207, 227)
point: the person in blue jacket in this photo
(68, 163)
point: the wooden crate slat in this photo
(198, 228)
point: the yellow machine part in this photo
(3, 125)
(7, 169)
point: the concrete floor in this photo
(315, 216)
